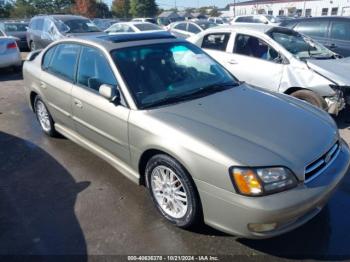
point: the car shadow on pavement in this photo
(325, 237)
(7, 74)
(37, 198)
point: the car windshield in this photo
(161, 74)
(151, 20)
(299, 45)
(77, 26)
(147, 27)
(16, 27)
(205, 25)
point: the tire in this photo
(310, 97)
(17, 69)
(165, 166)
(32, 46)
(43, 115)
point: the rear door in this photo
(339, 40)
(180, 30)
(56, 81)
(97, 119)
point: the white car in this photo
(281, 60)
(131, 27)
(219, 20)
(186, 29)
(145, 19)
(9, 53)
(257, 19)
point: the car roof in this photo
(111, 42)
(62, 17)
(262, 28)
(297, 20)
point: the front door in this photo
(97, 119)
(255, 62)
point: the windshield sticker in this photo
(179, 48)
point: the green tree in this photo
(23, 9)
(102, 10)
(214, 12)
(5, 10)
(143, 8)
(121, 8)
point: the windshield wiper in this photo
(204, 91)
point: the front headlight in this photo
(262, 181)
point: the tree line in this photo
(87, 8)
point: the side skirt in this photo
(97, 150)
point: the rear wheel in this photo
(32, 46)
(310, 97)
(173, 191)
(44, 117)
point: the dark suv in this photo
(45, 29)
(331, 31)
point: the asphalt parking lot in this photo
(58, 198)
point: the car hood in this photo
(252, 128)
(337, 70)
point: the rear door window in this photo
(64, 61)
(340, 30)
(316, 28)
(48, 58)
(181, 26)
(216, 41)
(193, 29)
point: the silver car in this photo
(248, 162)
(10, 55)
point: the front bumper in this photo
(231, 213)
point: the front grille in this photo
(317, 167)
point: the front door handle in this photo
(232, 62)
(78, 103)
(43, 85)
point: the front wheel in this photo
(310, 97)
(173, 191)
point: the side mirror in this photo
(110, 93)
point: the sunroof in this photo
(117, 38)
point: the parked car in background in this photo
(44, 29)
(164, 21)
(219, 20)
(331, 31)
(17, 30)
(252, 163)
(145, 19)
(103, 24)
(185, 29)
(130, 27)
(9, 53)
(281, 60)
(257, 19)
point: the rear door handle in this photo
(332, 46)
(78, 103)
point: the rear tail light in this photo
(11, 45)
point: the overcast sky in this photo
(192, 3)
